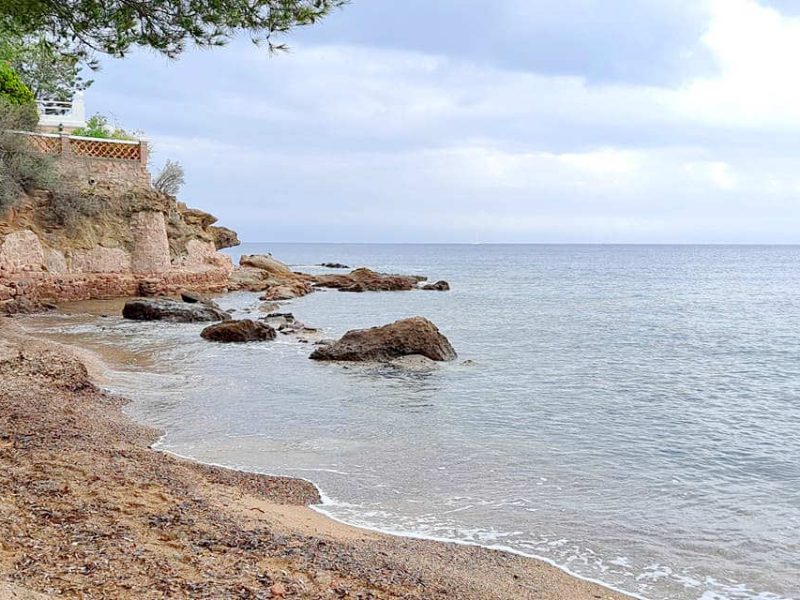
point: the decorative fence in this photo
(78, 146)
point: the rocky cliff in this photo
(103, 239)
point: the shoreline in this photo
(479, 571)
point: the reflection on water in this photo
(630, 413)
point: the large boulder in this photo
(264, 262)
(366, 280)
(245, 330)
(165, 309)
(401, 338)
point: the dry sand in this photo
(88, 510)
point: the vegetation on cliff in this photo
(21, 167)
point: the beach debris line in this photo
(244, 330)
(167, 309)
(406, 337)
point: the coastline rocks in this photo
(416, 335)
(286, 291)
(366, 280)
(195, 298)
(262, 273)
(268, 307)
(223, 237)
(264, 262)
(333, 265)
(165, 309)
(242, 331)
(439, 286)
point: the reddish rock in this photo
(401, 338)
(366, 280)
(287, 291)
(245, 330)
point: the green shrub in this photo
(97, 127)
(22, 168)
(12, 89)
(68, 207)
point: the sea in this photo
(630, 414)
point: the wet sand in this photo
(89, 510)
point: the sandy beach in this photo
(89, 510)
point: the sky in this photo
(519, 121)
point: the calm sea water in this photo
(630, 413)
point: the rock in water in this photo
(401, 338)
(287, 291)
(366, 280)
(439, 286)
(195, 298)
(245, 330)
(334, 265)
(264, 262)
(164, 309)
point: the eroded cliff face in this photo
(107, 242)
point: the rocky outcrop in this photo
(264, 262)
(406, 337)
(261, 272)
(128, 242)
(245, 330)
(223, 237)
(366, 280)
(439, 286)
(165, 309)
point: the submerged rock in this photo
(439, 286)
(165, 309)
(245, 330)
(401, 338)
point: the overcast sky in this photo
(511, 121)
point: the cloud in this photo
(370, 140)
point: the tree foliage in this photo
(12, 89)
(51, 72)
(97, 126)
(167, 26)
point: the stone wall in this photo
(116, 174)
(34, 289)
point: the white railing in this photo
(53, 113)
